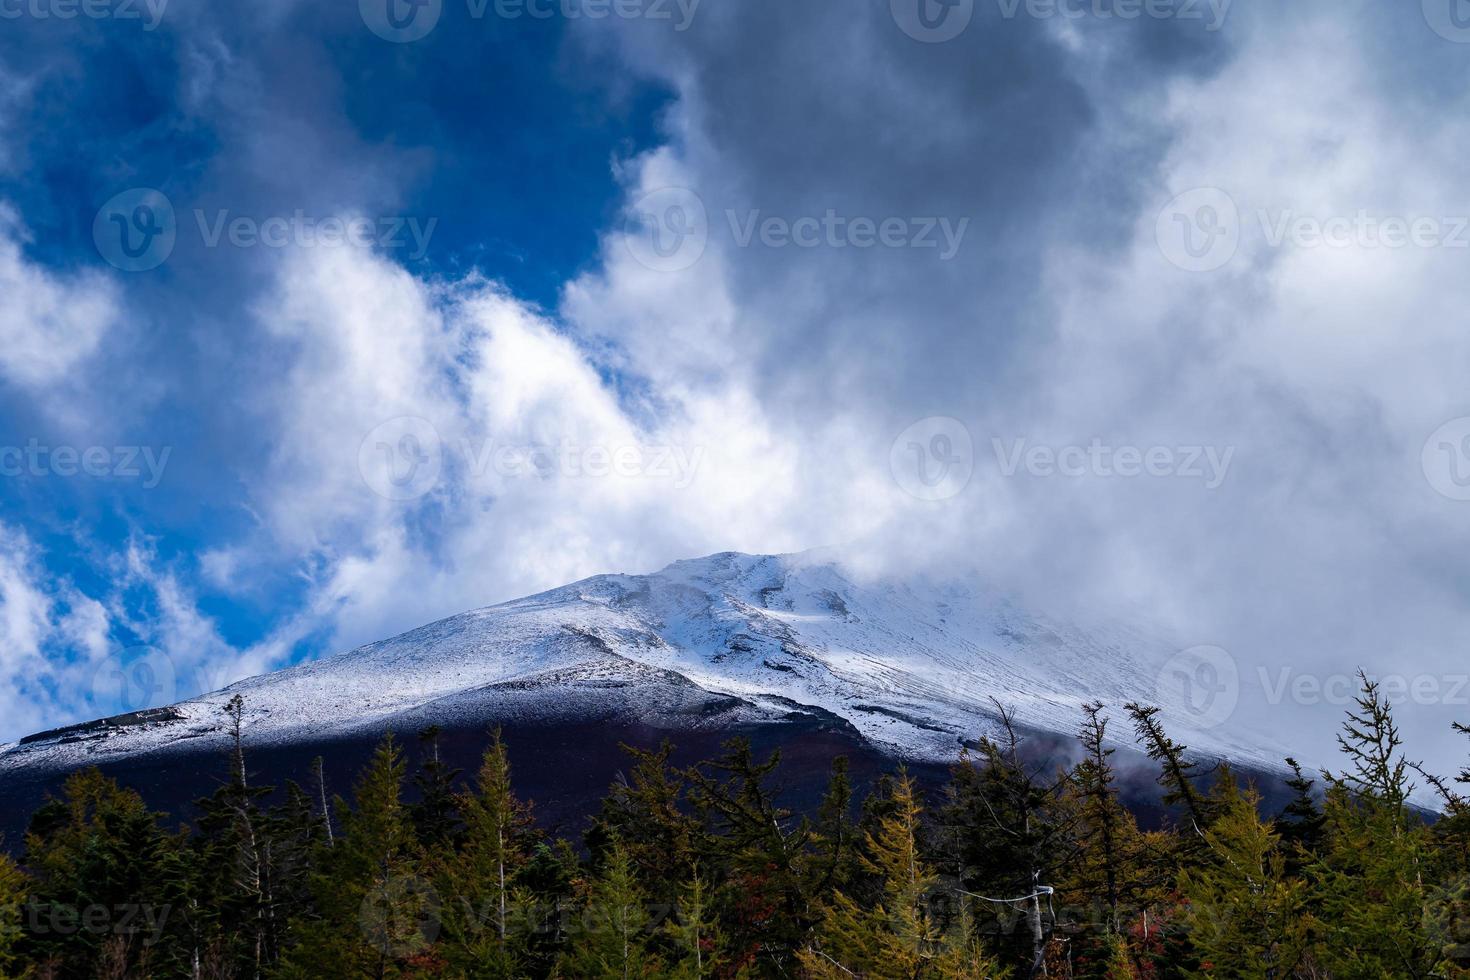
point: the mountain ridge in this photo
(915, 666)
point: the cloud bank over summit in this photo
(590, 369)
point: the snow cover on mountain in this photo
(912, 665)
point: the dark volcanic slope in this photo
(566, 766)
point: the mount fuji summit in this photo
(910, 669)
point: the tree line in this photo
(1013, 869)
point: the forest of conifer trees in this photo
(1014, 869)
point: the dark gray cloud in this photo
(1063, 319)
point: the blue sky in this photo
(486, 129)
(616, 290)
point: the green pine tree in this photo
(233, 862)
(1246, 917)
(1178, 773)
(1109, 876)
(436, 814)
(907, 933)
(486, 928)
(1008, 831)
(612, 938)
(1374, 881)
(1301, 823)
(835, 837)
(646, 813)
(376, 913)
(695, 933)
(295, 833)
(1449, 912)
(98, 902)
(13, 892)
(760, 853)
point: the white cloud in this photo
(49, 323)
(66, 656)
(524, 422)
(25, 611)
(50, 637)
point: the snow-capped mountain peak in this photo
(914, 666)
